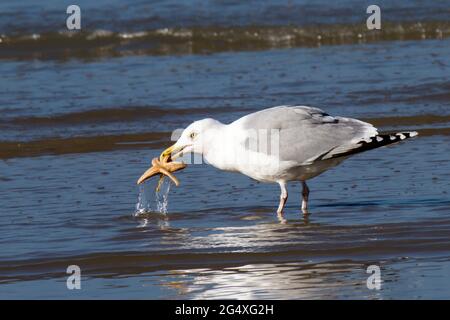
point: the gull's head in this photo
(194, 139)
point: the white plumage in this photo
(282, 144)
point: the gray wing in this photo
(309, 134)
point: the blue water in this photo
(78, 128)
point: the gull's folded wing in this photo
(309, 134)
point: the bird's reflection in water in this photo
(252, 236)
(253, 258)
(282, 218)
(150, 219)
(292, 280)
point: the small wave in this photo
(392, 240)
(111, 114)
(157, 140)
(203, 40)
(58, 146)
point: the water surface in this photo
(80, 121)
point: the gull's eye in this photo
(193, 135)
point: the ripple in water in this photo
(153, 202)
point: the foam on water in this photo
(149, 202)
(101, 43)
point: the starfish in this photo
(164, 167)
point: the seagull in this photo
(281, 144)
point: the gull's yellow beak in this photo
(172, 152)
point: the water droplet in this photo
(147, 203)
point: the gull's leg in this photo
(305, 194)
(283, 197)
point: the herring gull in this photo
(281, 144)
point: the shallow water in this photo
(78, 129)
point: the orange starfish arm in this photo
(171, 176)
(148, 174)
(164, 167)
(175, 166)
(161, 179)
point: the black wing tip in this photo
(380, 140)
